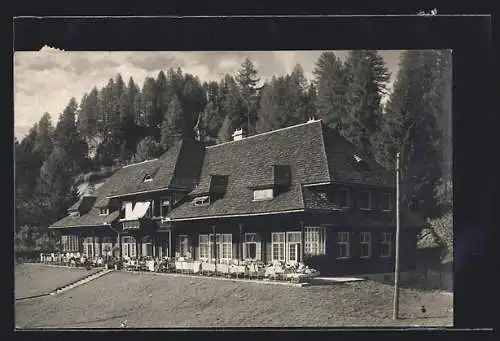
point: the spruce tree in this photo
(367, 77)
(410, 127)
(331, 84)
(173, 124)
(273, 109)
(226, 131)
(247, 80)
(43, 140)
(148, 103)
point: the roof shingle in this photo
(171, 169)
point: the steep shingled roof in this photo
(249, 162)
(314, 153)
(172, 168)
(92, 218)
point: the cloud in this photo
(44, 81)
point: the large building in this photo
(301, 193)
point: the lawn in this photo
(37, 279)
(162, 301)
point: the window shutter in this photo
(269, 253)
(190, 247)
(177, 246)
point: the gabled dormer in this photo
(211, 190)
(82, 206)
(279, 182)
(218, 184)
(107, 206)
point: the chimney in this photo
(238, 135)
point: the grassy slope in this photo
(32, 279)
(147, 300)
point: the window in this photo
(88, 247)
(148, 178)
(386, 201)
(344, 198)
(107, 246)
(227, 246)
(183, 242)
(147, 246)
(293, 243)
(366, 244)
(69, 243)
(164, 207)
(201, 201)
(252, 246)
(103, 211)
(282, 175)
(365, 200)
(278, 246)
(386, 244)
(314, 241)
(204, 247)
(263, 194)
(128, 247)
(343, 244)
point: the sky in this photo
(45, 80)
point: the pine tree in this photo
(67, 139)
(163, 95)
(247, 80)
(148, 103)
(173, 124)
(310, 101)
(53, 189)
(331, 83)
(410, 127)
(273, 111)
(88, 115)
(43, 140)
(147, 149)
(193, 102)
(226, 131)
(296, 97)
(367, 77)
(213, 120)
(231, 104)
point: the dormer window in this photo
(282, 175)
(103, 211)
(148, 178)
(263, 194)
(201, 201)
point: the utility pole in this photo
(395, 310)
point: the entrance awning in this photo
(135, 212)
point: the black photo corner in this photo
(469, 38)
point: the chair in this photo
(207, 268)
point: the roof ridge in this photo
(139, 163)
(267, 132)
(325, 154)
